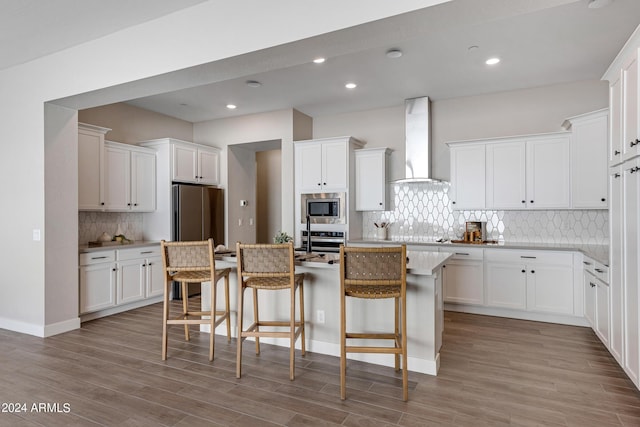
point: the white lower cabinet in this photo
(113, 278)
(536, 281)
(597, 300)
(463, 278)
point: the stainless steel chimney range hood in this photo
(417, 141)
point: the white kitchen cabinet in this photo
(630, 138)
(602, 311)
(463, 276)
(548, 175)
(97, 281)
(533, 281)
(590, 299)
(529, 172)
(631, 266)
(120, 278)
(506, 175)
(616, 252)
(597, 299)
(90, 166)
(615, 128)
(589, 145)
(467, 176)
(130, 178)
(372, 170)
(323, 165)
(195, 164)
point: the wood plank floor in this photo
(494, 372)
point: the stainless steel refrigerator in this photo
(198, 214)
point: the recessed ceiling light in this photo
(492, 61)
(394, 53)
(350, 85)
(231, 107)
(597, 4)
(318, 60)
(253, 83)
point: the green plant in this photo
(282, 237)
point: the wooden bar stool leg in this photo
(302, 319)
(185, 308)
(239, 338)
(292, 333)
(227, 314)
(256, 319)
(343, 343)
(165, 317)
(212, 323)
(396, 302)
(405, 370)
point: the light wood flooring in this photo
(494, 372)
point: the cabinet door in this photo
(631, 183)
(463, 282)
(548, 173)
(334, 166)
(371, 180)
(630, 137)
(155, 277)
(588, 166)
(90, 170)
(615, 264)
(590, 299)
(184, 164)
(208, 167)
(506, 175)
(506, 285)
(308, 167)
(468, 177)
(117, 184)
(615, 130)
(550, 288)
(602, 312)
(97, 287)
(143, 181)
(131, 281)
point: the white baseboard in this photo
(22, 327)
(61, 327)
(563, 319)
(121, 308)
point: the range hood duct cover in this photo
(417, 140)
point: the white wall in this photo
(174, 42)
(536, 110)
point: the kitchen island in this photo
(322, 308)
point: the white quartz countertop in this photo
(598, 253)
(423, 263)
(83, 249)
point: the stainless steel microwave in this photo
(323, 208)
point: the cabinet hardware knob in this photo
(319, 184)
(603, 200)
(616, 153)
(102, 203)
(616, 175)
(524, 271)
(128, 204)
(143, 265)
(530, 201)
(196, 177)
(599, 270)
(592, 284)
(453, 203)
(380, 203)
(149, 264)
(324, 183)
(114, 269)
(524, 201)
(533, 271)
(135, 204)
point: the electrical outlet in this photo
(320, 316)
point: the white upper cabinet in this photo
(548, 177)
(130, 178)
(630, 137)
(322, 165)
(615, 130)
(506, 175)
(90, 166)
(467, 177)
(589, 174)
(371, 179)
(196, 164)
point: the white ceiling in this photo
(540, 42)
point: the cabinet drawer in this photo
(597, 269)
(462, 253)
(529, 257)
(97, 257)
(136, 253)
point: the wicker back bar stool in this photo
(193, 262)
(374, 273)
(269, 267)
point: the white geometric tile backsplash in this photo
(93, 224)
(421, 212)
